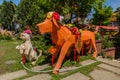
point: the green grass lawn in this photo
(8, 52)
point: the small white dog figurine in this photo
(27, 50)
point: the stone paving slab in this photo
(10, 62)
(13, 75)
(39, 77)
(66, 68)
(110, 68)
(37, 68)
(103, 75)
(110, 62)
(89, 61)
(76, 76)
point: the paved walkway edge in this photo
(13, 75)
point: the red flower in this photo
(56, 16)
(74, 29)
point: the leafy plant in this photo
(102, 54)
(107, 43)
(109, 57)
(42, 42)
(98, 36)
(5, 37)
(100, 17)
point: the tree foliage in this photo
(7, 12)
(81, 8)
(118, 9)
(102, 14)
(85, 7)
(118, 15)
(32, 11)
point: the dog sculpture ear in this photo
(55, 22)
(56, 18)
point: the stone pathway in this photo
(108, 70)
(89, 61)
(13, 75)
(67, 68)
(38, 68)
(77, 76)
(110, 62)
(84, 63)
(39, 77)
(103, 75)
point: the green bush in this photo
(102, 54)
(40, 42)
(5, 37)
(98, 36)
(107, 43)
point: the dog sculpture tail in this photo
(96, 30)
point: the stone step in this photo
(61, 72)
(13, 75)
(39, 77)
(76, 76)
(103, 75)
(38, 68)
(110, 68)
(110, 62)
(89, 61)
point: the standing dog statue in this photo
(63, 38)
(29, 53)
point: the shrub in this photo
(42, 42)
(102, 54)
(98, 36)
(107, 43)
(5, 37)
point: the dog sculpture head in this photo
(51, 21)
(25, 36)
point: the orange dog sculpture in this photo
(63, 38)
